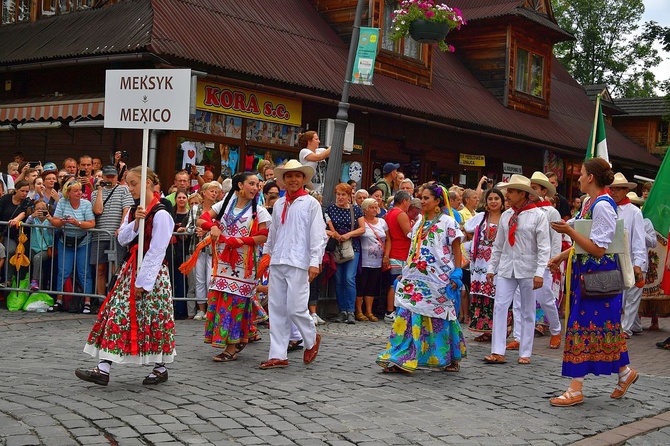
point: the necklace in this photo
(230, 217)
(422, 233)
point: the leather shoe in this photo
(623, 386)
(310, 353)
(512, 345)
(555, 341)
(274, 363)
(93, 375)
(159, 377)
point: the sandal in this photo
(239, 347)
(294, 345)
(484, 337)
(569, 398)
(524, 360)
(254, 338)
(225, 357)
(495, 358)
(274, 363)
(57, 307)
(622, 386)
(453, 367)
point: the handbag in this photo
(71, 242)
(601, 284)
(344, 251)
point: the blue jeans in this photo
(345, 284)
(69, 258)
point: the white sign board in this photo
(512, 168)
(147, 99)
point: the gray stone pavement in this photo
(340, 399)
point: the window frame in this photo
(528, 70)
(403, 46)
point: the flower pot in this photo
(428, 32)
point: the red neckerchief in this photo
(289, 199)
(514, 221)
(624, 201)
(545, 203)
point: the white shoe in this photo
(390, 317)
(200, 315)
(317, 319)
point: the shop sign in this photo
(364, 65)
(235, 101)
(147, 99)
(512, 168)
(472, 160)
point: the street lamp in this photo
(334, 169)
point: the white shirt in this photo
(372, 244)
(553, 215)
(530, 254)
(301, 241)
(152, 260)
(634, 224)
(650, 238)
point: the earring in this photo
(437, 209)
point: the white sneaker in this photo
(390, 317)
(200, 315)
(317, 319)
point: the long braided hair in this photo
(236, 180)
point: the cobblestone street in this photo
(343, 398)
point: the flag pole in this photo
(595, 127)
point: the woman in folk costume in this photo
(594, 341)
(426, 331)
(135, 323)
(237, 225)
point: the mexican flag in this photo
(597, 142)
(656, 207)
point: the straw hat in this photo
(634, 198)
(541, 179)
(295, 166)
(518, 182)
(621, 181)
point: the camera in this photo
(43, 213)
(105, 183)
(188, 167)
(124, 154)
(82, 173)
(33, 164)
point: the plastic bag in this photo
(16, 299)
(38, 302)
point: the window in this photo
(406, 47)
(15, 11)
(529, 73)
(662, 133)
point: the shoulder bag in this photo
(344, 251)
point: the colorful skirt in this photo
(110, 337)
(593, 339)
(231, 319)
(422, 341)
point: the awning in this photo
(52, 110)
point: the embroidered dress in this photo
(593, 340)
(232, 307)
(426, 332)
(139, 330)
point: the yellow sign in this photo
(472, 160)
(235, 101)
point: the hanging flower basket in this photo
(425, 21)
(428, 32)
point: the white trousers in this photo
(631, 303)
(203, 274)
(505, 289)
(545, 297)
(288, 294)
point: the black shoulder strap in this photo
(109, 196)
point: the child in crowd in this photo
(41, 242)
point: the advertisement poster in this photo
(366, 53)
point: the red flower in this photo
(96, 327)
(167, 348)
(124, 321)
(158, 334)
(103, 344)
(421, 265)
(154, 325)
(169, 324)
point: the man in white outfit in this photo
(519, 258)
(634, 224)
(295, 244)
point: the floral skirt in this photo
(231, 319)
(422, 341)
(593, 339)
(110, 337)
(481, 314)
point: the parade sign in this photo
(364, 65)
(147, 99)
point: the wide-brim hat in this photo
(621, 181)
(634, 198)
(518, 182)
(295, 166)
(541, 179)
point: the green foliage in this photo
(605, 49)
(410, 10)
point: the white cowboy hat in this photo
(541, 179)
(634, 198)
(518, 182)
(295, 166)
(621, 181)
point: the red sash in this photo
(514, 221)
(289, 200)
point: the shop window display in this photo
(217, 124)
(272, 133)
(221, 159)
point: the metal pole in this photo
(334, 169)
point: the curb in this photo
(619, 435)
